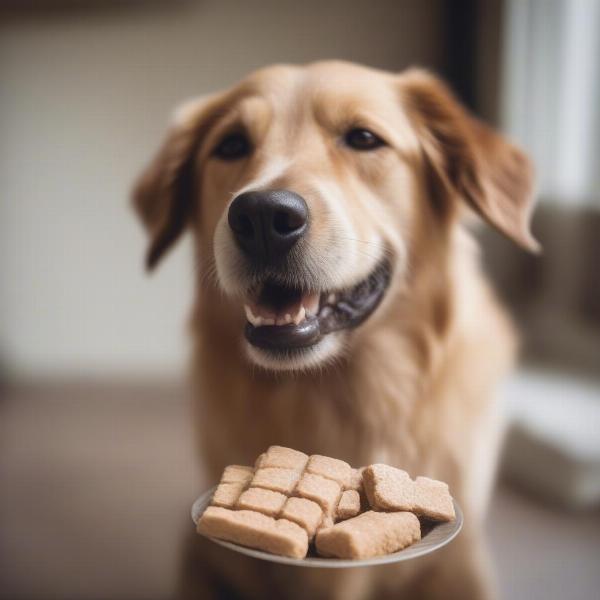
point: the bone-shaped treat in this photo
(388, 488)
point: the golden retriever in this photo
(340, 305)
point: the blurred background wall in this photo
(96, 466)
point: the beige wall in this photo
(84, 97)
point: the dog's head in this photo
(314, 188)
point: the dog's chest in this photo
(361, 419)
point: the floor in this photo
(96, 482)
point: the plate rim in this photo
(413, 551)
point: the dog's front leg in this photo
(211, 572)
(197, 580)
(461, 570)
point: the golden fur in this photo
(414, 385)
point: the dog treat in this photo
(324, 492)
(226, 494)
(356, 483)
(267, 502)
(348, 506)
(370, 534)
(284, 458)
(250, 528)
(356, 480)
(330, 468)
(288, 500)
(325, 523)
(274, 478)
(237, 474)
(306, 513)
(388, 488)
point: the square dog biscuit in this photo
(237, 474)
(267, 502)
(274, 478)
(388, 488)
(306, 513)
(324, 492)
(227, 494)
(253, 529)
(348, 506)
(332, 468)
(356, 481)
(325, 523)
(433, 499)
(289, 499)
(284, 458)
(370, 534)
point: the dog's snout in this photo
(267, 224)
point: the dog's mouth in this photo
(281, 318)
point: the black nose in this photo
(267, 224)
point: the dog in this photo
(340, 307)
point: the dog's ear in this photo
(469, 159)
(163, 195)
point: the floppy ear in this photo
(471, 160)
(163, 196)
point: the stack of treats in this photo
(289, 500)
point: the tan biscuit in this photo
(227, 494)
(331, 468)
(306, 513)
(255, 530)
(388, 488)
(324, 492)
(433, 499)
(267, 502)
(325, 523)
(356, 481)
(288, 492)
(284, 458)
(370, 534)
(237, 474)
(348, 506)
(273, 478)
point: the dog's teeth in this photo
(249, 314)
(300, 315)
(284, 320)
(256, 320)
(331, 299)
(266, 321)
(311, 304)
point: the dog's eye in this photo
(232, 147)
(363, 139)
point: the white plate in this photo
(433, 539)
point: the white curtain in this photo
(551, 93)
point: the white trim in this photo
(551, 92)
